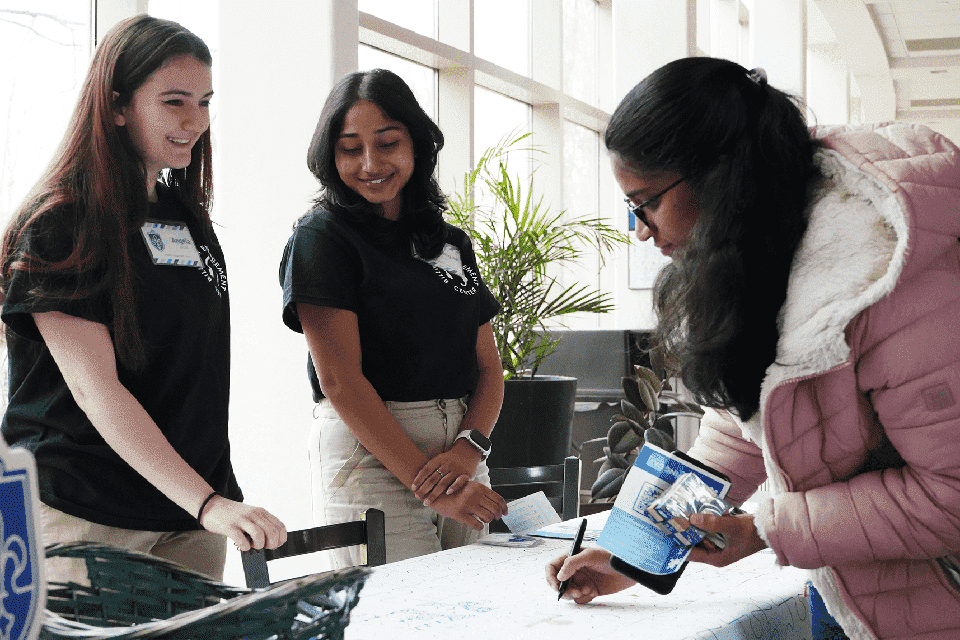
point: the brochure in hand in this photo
(643, 550)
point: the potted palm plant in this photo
(521, 246)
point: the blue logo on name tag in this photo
(156, 240)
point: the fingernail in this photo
(450, 491)
(696, 519)
(426, 503)
(413, 487)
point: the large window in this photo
(45, 48)
(421, 79)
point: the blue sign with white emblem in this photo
(23, 587)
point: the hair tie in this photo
(758, 76)
(204, 505)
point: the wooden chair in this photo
(559, 482)
(369, 532)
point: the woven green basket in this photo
(135, 595)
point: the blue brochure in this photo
(630, 533)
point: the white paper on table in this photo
(568, 529)
(530, 513)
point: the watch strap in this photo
(475, 442)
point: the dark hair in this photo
(98, 174)
(745, 150)
(423, 202)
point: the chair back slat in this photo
(333, 536)
(369, 532)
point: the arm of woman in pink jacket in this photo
(907, 507)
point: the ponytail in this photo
(745, 149)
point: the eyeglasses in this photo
(638, 209)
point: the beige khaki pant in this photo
(201, 551)
(347, 480)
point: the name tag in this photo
(170, 244)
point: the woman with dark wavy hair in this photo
(403, 361)
(811, 303)
(117, 315)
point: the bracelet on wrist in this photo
(203, 505)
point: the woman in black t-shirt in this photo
(117, 313)
(397, 322)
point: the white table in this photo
(488, 592)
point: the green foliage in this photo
(520, 243)
(646, 415)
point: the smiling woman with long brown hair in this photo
(117, 313)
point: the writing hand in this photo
(589, 573)
(740, 532)
(249, 527)
(475, 505)
(446, 472)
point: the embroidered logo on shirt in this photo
(451, 269)
(938, 398)
(212, 271)
(465, 282)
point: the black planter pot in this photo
(535, 422)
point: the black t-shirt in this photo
(184, 315)
(417, 321)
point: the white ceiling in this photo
(918, 54)
(904, 56)
(922, 41)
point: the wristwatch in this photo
(477, 440)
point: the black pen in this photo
(573, 551)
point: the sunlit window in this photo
(502, 33)
(581, 197)
(580, 57)
(416, 15)
(496, 117)
(45, 48)
(421, 79)
(581, 170)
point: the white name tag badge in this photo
(170, 244)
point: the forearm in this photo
(487, 398)
(485, 404)
(362, 410)
(130, 431)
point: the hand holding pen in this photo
(573, 551)
(584, 575)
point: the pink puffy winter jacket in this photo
(858, 432)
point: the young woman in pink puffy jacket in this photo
(812, 304)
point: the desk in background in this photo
(492, 593)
